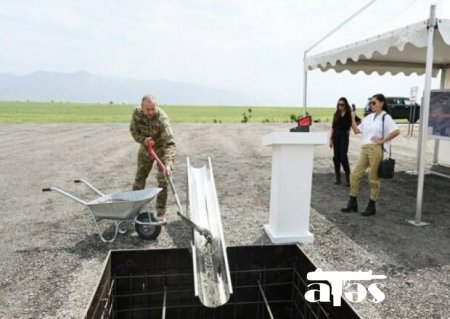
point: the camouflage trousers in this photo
(144, 166)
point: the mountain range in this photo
(84, 87)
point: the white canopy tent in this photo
(422, 47)
(402, 50)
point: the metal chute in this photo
(212, 278)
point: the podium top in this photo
(294, 138)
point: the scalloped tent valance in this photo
(399, 51)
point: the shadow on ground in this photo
(180, 233)
(387, 234)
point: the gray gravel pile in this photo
(52, 258)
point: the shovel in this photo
(203, 231)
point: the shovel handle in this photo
(203, 231)
(152, 153)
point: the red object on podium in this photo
(303, 124)
(305, 121)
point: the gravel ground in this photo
(52, 258)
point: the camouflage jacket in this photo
(158, 129)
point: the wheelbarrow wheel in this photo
(147, 232)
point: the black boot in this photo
(352, 205)
(370, 209)
(347, 179)
(338, 178)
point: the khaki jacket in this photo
(158, 129)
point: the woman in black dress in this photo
(339, 139)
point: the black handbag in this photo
(387, 165)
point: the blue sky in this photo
(253, 47)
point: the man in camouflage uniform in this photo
(151, 123)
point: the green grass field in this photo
(45, 113)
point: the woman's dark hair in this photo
(381, 98)
(338, 112)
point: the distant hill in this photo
(84, 87)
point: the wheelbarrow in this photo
(122, 208)
(127, 207)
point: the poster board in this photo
(439, 119)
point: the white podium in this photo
(290, 190)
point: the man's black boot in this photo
(352, 205)
(370, 209)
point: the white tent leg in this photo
(305, 83)
(436, 151)
(424, 119)
(419, 144)
(444, 73)
(419, 139)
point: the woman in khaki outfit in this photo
(371, 152)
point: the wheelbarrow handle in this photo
(89, 185)
(56, 189)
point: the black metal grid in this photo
(268, 282)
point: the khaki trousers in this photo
(370, 156)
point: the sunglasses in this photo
(341, 104)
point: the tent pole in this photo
(436, 140)
(436, 151)
(419, 138)
(305, 66)
(431, 25)
(444, 73)
(305, 83)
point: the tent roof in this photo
(400, 50)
